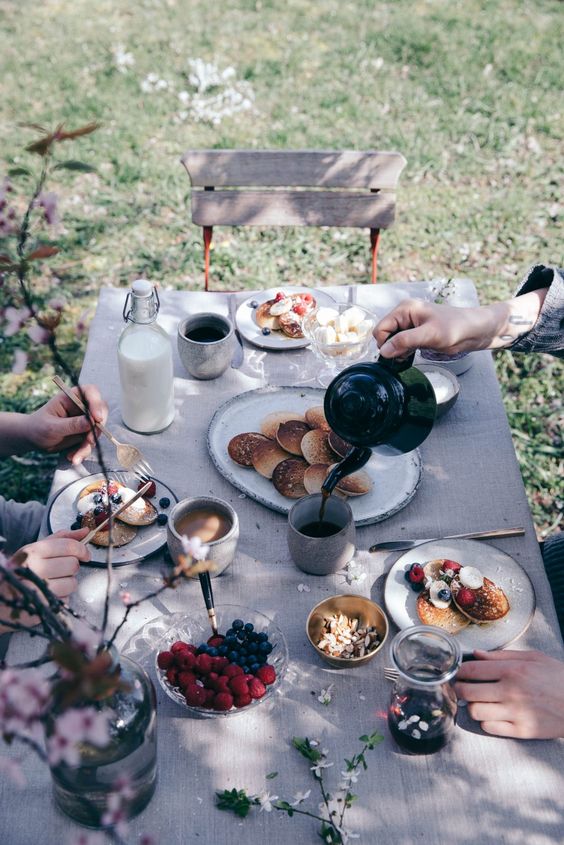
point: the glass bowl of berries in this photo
(221, 675)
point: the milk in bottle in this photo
(145, 363)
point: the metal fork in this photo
(391, 674)
(129, 456)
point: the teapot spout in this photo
(355, 459)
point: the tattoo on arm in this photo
(516, 320)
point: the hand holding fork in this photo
(129, 456)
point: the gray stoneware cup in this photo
(205, 360)
(321, 555)
(221, 551)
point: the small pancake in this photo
(356, 484)
(242, 446)
(288, 478)
(264, 318)
(121, 534)
(266, 457)
(340, 446)
(314, 477)
(449, 618)
(315, 418)
(433, 568)
(315, 447)
(491, 604)
(290, 324)
(290, 435)
(141, 512)
(269, 425)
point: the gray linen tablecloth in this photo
(479, 789)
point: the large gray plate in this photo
(149, 538)
(496, 565)
(395, 479)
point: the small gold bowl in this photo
(366, 611)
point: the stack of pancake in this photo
(297, 451)
(94, 501)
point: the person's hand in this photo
(520, 694)
(443, 328)
(59, 424)
(56, 559)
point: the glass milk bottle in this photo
(145, 363)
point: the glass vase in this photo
(82, 791)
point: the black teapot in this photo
(387, 406)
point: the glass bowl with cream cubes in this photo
(339, 335)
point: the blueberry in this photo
(203, 648)
(444, 595)
(252, 648)
(262, 658)
(162, 519)
(406, 576)
(246, 669)
(222, 650)
(233, 656)
(266, 330)
(229, 633)
(213, 652)
(265, 648)
(230, 641)
(241, 634)
(241, 660)
(253, 637)
(243, 650)
(254, 667)
(262, 637)
(249, 627)
(75, 526)
(253, 303)
(115, 498)
(79, 518)
(418, 587)
(97, 498)
(237, 623)
(164, 502)
(98, 510)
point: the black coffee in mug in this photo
(206, 334)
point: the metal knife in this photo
(239, 352)
(397, 545)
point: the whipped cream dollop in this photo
(471, 577)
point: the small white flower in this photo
(194, 547)
(266, 800)
(352, 776)
(325, 697)
(319, 766)
(299, 797)
(303, 588)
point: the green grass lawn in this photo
(470, 92)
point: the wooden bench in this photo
(293, 188)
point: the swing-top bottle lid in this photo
(142, 287)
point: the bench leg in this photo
(208, 234)
(374, 242)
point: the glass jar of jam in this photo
(422, 710)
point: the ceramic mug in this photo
(321, 555)
(222, 550)
(205, 344)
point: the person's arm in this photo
(444, 328)
(514, 693)
(56, 426)
(56, 559)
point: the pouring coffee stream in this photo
(387, 406)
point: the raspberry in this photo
(210, 681)
(452, 566)
(266, 674)
(416, 574)
(179, 646)
(151, 491)
(195, 696)
(220, 663)
(279, 297)
(222, 684)
(172, 676)
(100, 517)
(256, 688)
(231, 670)
(204, 664)
(300, 309)
(223, 701)
(239, 686)
(307, 297)
(465, 597)
(242, 700)
(185, 660)
(165, 660)
(186, 679)
(215, 642)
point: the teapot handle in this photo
(397, 365)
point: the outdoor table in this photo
(478, 789)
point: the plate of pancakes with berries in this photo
(272, 318)
(471, 589)
(138, 531)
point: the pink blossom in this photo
(194, 547)
(23, 698)
(116, 815)
(20, 362)
(13, 770)
(125, 597)
(87, 838)
(73, 727)
(60, 749)
(15, 319)
(95, 726)
(81, 324)
(38, 333)
(47, 200)
(86, 638)
(58, 303)
(123, 787)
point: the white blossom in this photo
(303, 588)
(122, 59)
(325, 696)
(266, 801)
(352, 776)
(319, 766)
(299, 797)
(194, 547)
